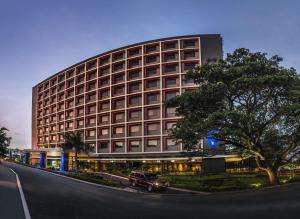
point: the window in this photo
(119, 116)
(91, 86)
(104, 118)
(189, 81)
(153, 127)
(80, 100)
(104, 106)
(170, 56)
(119, 78)
(70, 74)
(151, 48)
(152, 98)
(134, 100)
(134, 87)
(104, 71)
(189, 44)
(189, 54)
(103, 145)
(80, 111)
(70, 114)
(118, 66)
(80, 123)
(92, 97)
(134, 63)
(171, 142)
(91, 121)
(152, 143)
(71, 103)
(70, 125)
(119, 56)
(91, 133)
(169, 125)
(152, 84)
(61, 116)
(119, 90)
(80, 79)
(119, 130)
(104, 82)
(170, 68)
(92, 64)
(170, 95)
(119, 144)
(153, 113)
(104, 131)
(91, 109)
(104, 94)
(189, 66)
(135, 128)
(134, 52)
(134, 74)
(134, 144)
(135, 114)
(104, 61)
(92, 147)
(119, 103)
(80, 69)
(80, 90)
(151, 72)
(53, 90)
(171, 82)
(171, 111)
(70, 83)
(151, 59)
(170, 45)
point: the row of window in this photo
(134, 87)
(117, 78)
(133, 145)
(119, 55)
(119, 103)
(117, 117)
(150, 128)
(132, 74)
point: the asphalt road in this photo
(10, 200)
(50, 196)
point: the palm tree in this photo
(74, 142)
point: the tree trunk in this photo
(76, 161)
(273, 177)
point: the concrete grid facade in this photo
(116, 99)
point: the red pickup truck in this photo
(148, 180)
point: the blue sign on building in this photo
(62, 165)
(41, 160)
(211, 141)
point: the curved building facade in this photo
(116, 99)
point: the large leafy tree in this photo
(4, 141)
(73, 141)
(250, 102)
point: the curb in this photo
(126, 189)
(189, 191)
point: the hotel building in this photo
(116, 99)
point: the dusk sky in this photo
(40, 38)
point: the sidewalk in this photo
(10, 200)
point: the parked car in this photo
(150, 181)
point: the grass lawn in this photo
(219, 182)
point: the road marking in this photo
(24, 203)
